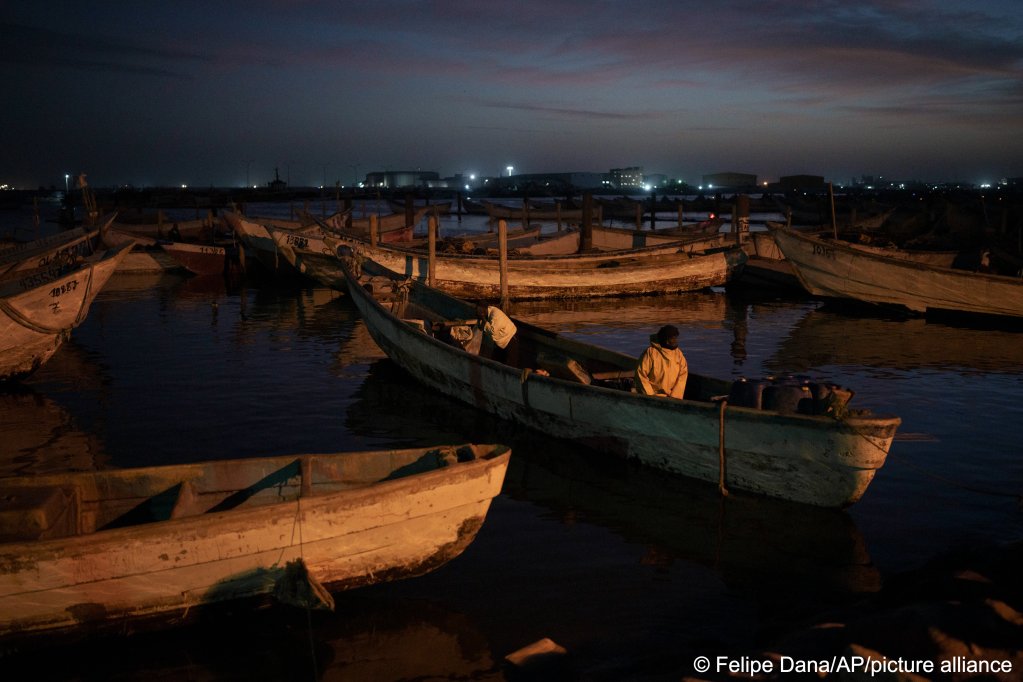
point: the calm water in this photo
(632, 571)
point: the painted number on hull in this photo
(65, 288)
(826, 251)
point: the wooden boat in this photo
(39, 308)
(814, 459)
(257, 240)
(201, 259)
(46, 251)
(391, 227)
(705, 236)
(836, 269)
(159, 226)
(309, 255)
(84, 550)
(632, 272)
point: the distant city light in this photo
(184, 186)
(67, 176)
(510, 169)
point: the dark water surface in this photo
(633, 571)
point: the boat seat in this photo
(38, 513)
(563, 367)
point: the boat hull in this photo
(813, 460)
(832, 269)
(400, 525)
(627, 273)
(39, 308)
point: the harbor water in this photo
(632, 571)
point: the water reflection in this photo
(369, 637)
(39, 436)
(771, 551)
(837, 337)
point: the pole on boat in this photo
(525, 213)
(348, 212)
(831, 200)
(742, 220)
(502, 246)
(410, 209)
(586, 225)
(373, 229)
(432, 257)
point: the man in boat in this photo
(662, 369)
(499, 342)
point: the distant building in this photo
(626, 178)
(732, 181)
(556, 183)
(801, 182)
(400, 179)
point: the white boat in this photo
(61, 248)
(84, 550)
(835, 269)
(40, 307)
(820, 459)
(629, 272)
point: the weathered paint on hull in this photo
(832, 269)
(625, 274)
(385, 531)
(198, 258)
(813, 460)
(39, 310)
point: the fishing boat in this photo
(704, 235)
(836, 269)
(583, 395)
(40, 307)
(257, 239)
(200, 259)
(161, 226)
(63, 247)
(630, 272)
(89, 550)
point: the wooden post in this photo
(502, 246)
(586, 225)
(742, 221)
(639, 215)
(653, 211)
(432, 258)
(831, 200)
(680, 214)
(458, 205)
(373, 228)
(348, 212)
(410, 209)
(557, 211)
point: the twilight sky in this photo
(220, 92)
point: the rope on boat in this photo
(27, 323)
